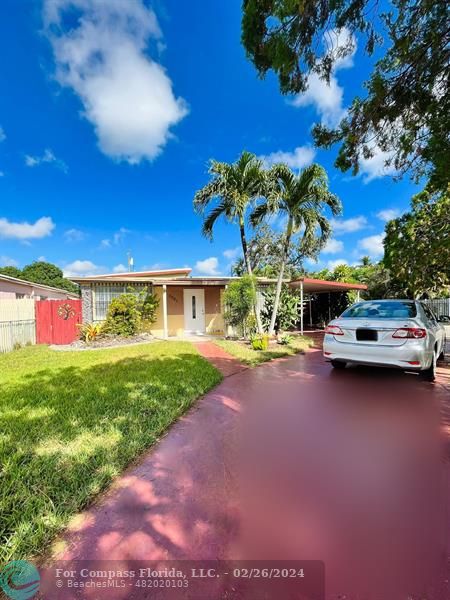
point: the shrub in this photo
(89, 332)
(148, 304)
(259, 342)
(123, 317)
(285, 339)
(288, 310)
(239, 300)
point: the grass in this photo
(71, 421)
(245, 353)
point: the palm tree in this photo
(301, 198)
(233, 188)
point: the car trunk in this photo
(372, 331)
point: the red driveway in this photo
(293, 460)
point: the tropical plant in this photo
(302, 199)
(89, 332)
(404, 118)
(147, 304)
(288, 308)
(232, 189)
(239, 301)
(123, 316)
(285, 339)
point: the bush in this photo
(123, 317)
(288, 309)
(239, 300)
(260, 342)
(285, 339)
(147, 305)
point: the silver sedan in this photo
(389, 333)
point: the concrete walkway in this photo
(292, 460)
(222, 360)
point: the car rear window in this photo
(381, 310)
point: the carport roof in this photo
(321, 285)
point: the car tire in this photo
(430, 373)
(338, 364)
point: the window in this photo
(194, 307)
(397, 309)
(104, 293)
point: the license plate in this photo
(366, 335)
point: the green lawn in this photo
(71, 421)
(245, 353)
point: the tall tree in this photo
(11, 271)
(233, 189)
(48, 274)
(302, 199)
(417, 246)
(406, 111)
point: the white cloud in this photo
(103, 58)
(375, 166)
(82, 268)
(120, 235)
(388, 214)
(299, 158)
(373, 244)
(74, 235)
(120, 268)
(327, 98)
(232, 253)
(2, 173)
(2, 134)
(348, 225)
(7, 261)
(48, 157)
(333, 246)
(209, 266)
(105, 244)
(332, 264)
(24, 231)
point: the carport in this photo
(321, 286)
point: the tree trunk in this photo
(250, 272)
(280, 277)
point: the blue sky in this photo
(108, 122)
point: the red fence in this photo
(56, 321)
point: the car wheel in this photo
(430, 373)
(442, 354)
(338, 364)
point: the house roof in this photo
(42, 286)
(321, 285)
(135, 275)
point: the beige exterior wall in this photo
(214, 323)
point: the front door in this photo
(194, 311)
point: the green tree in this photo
(417, 246)
(265, 253)
(11, 271)
(233, 188)
(48, 274)
(123, 317)
(406, 110)
(239, 300)
(288, 309)
(302, 199)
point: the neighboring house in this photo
(187, 304)
(14, 288)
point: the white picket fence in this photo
(17, 323)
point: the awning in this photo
(315, 286)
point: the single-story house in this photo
(13, 288)
(188, 305)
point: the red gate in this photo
(56, 321)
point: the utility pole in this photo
(130, 262)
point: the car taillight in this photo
(415, 333)
(334, 330)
